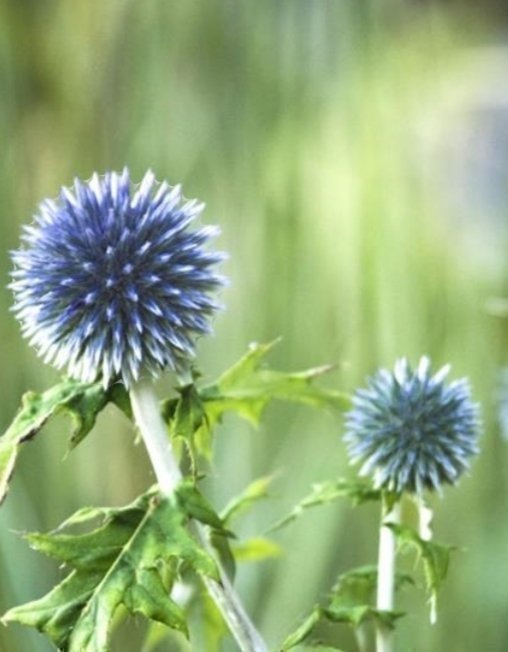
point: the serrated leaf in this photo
(256, 549)
(246, 388)
(119, 395)
(303, 631)
(360, 614)
(196, 506)
(83, 407)
(435, 557)
(352, 615)
(254, 492)
(187, 420)
(349, 604)
(131, 559)
(328, 492)
(82, 401)
(358, 586)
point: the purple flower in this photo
(110, 281)
(411, 430)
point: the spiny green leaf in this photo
(188, 421)
(132, 559)
(83, 407)
(352, 615)
(255, 491)
(358, 586)
(196, 506)
(359, 614)
(119, 395)
(246, 388)
(328, 492)
(82, 401)
(435, 557)
(349, 604)
(304, 630)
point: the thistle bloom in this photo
(111, 283)
(411, 430)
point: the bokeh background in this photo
(355, 154)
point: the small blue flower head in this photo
(412, 431)
(111, 283)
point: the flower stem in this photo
(386, 576)
(426, 515)
(146, 411)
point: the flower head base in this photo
(111, 283)
(411, 430)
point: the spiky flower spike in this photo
(111, 283)
(411, 430)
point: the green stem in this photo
(145, 407)
(386, 576)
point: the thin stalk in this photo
(425, 518)
(145, 407)
(386, 576)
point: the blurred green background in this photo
(355, 154)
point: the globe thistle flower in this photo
(111, 283)
(411, 430)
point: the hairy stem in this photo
(146, 411)
(386, 576)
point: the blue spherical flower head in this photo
(110, 281)
(411, 430)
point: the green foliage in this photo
(187, 421)
(328, 492)
(435, 558)
(246, 389)
(322, 648)
(358, 586)
(81, 401)
(348, 603)
(256, 549)
(254, 492)
(304, 630)
(132, 558)
(352, 615)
